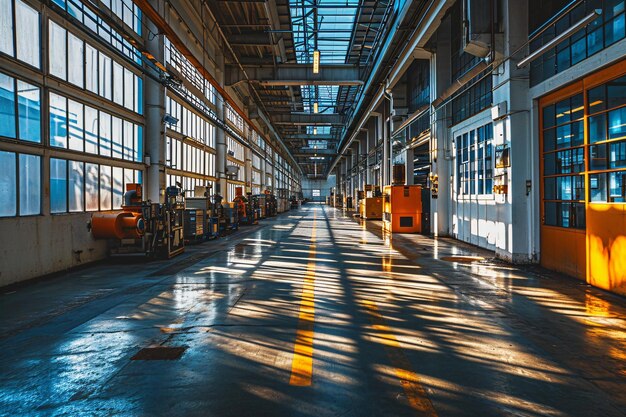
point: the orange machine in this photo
(371, 208)
(402, 208)
(125, 224)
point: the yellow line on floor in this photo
(413, 389)
(302, 365)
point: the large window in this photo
(20, 184)
(73, 60)
(606, 105)
(474, 154)
(564, 163)
(80, 127)
(22, 99)
(235, 149)
(190, 123)
(19, 37)
(603, 32)
(77, 186)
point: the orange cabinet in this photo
(402, 208)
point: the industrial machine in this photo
(262, 203)
(246, 211)
(295, 203)
(142, 226)
(402, 205)
(271, 205)
(201, 218)
(231, 217)
(371, 208)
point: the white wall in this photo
(323, 185)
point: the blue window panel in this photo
(29, 110)
(30, 184)
(58, 185)
(7, 106)
(617, 187)
(617, 123)
(58, 121)
(76, 189)
(8, 186)
(139, 144)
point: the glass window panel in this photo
(617, 123)
(91, 130)
(129, 89)
(29, 111)
(129, 177)
(30, 184)
(76, 186)
(6, 27)
(8, 188)
(597, 128)
(597, 187)
(118, 83)
(549, 140)
(577, 107)
(76, 124)
(7, 106)
(138, 95)
(129, 140)
(105, 187)
(105, 134)
(116, 137)
(105, 77)
(598, 157)
(563, 110)
(597, 99)
(76, 64)
(58, 121)
(614, 30)
(616, 93)
(58, 51)
(91, 186)
(91, 69)
(118, 187)
(27, 33)
(58, 185)
(138, 143)
(618, 155)
(617, 189)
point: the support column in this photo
(248, 169)
(408, 166)
(220, 137)
(154, 139)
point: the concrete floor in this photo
(313, 314)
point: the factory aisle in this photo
(313, 314)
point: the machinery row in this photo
(402, 208)
(162, 230)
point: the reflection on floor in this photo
(313, 314)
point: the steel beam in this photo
(295, 75)
(308, 119)
(306, 136)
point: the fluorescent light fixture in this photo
(315, 131)
(316, 62)
(315, 107)
(560, 38)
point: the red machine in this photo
(125, 224)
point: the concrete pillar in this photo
(220, 137)
(248, 169)
(408, 166)
(154, 138)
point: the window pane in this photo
(91, 69)
(105, 76)
(8, 195)
(29, 111)
(7, 106)
(128, 140)
(618, 187)
(58, 185)
(138, 95)
(138, 143)
(27, 33)
(129, 89)
(617, 123)
(76, 132)
(118, 83)
(91, 130)
(58, 51)
(76, 184)
(597, 128)
(597, 187)
(76, 64)
(91, 187)
(118, 187)
(116, 137)
(618, 155)
(30, 184)
(6, 27)
(105, 134)
(58, 121)
(105, 187)
(616, 92)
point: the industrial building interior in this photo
(313, 208)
